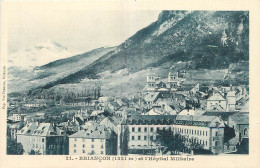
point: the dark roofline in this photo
(164, 120)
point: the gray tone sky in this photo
(77, 28)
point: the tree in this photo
(176, 143)
(14, 148)
(192, 146)
(173, 142)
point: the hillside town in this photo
(165, 118)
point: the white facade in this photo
(144, 136)
(82, 146)
(217, 102)
(25, 140)
(207, 132)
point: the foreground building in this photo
(206, 131)
(43, 139)
(93, 140)
(143, 131)
(48, 139)
(24, 137)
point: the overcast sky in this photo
(78, 29)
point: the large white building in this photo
(207, 131)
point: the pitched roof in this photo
(223, 115)
(175, 107)
(240, 119)
(187, 112)
(28, 129)
(46, 129)
(96, 112)
(196, 118)
(155, 111)
(171, 103)
(208, 121)
(217, 107)
(92, 132)
(216, 97)
(153, 119)
(151, 96)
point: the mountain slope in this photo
(205, 39)
(25, 79)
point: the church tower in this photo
(150, 80)
(173, 78)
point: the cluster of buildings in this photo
(215, 118)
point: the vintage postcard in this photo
(134, 83)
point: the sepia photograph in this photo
(155, 84)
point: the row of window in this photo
(92, 146)
(179, 130)
(151, 84)
(92, 140)
(37, 139)
(92, 152)
(191, 131)
(144, 145)
(201, 142)
(36, 146)
(151, 129)
(144, 138)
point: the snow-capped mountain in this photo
(39, 55)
